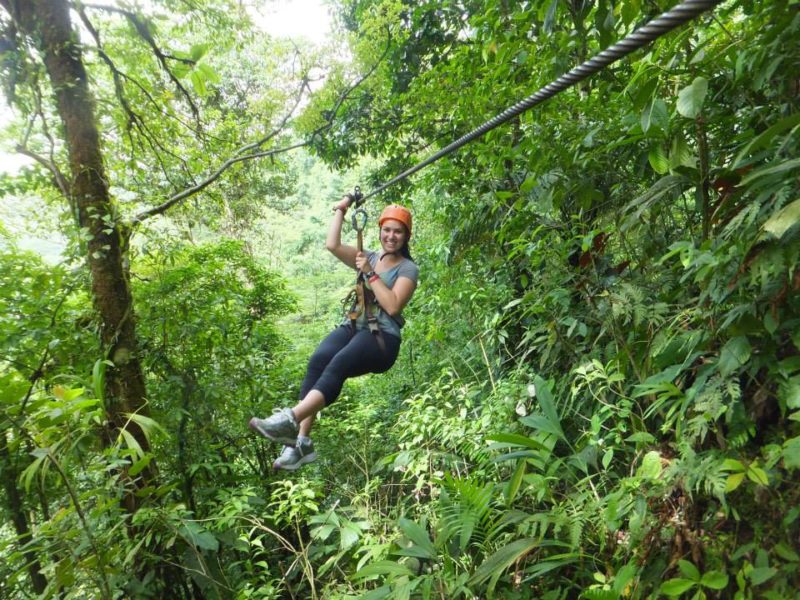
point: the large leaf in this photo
(779, 223)
(517, 440)
(498, 562)
(716, 580)
(651, 466)
(382, 567)
(771, 169)
(655, 116)
(545, 398)
(516, 480)
(423, 547)
(735, 353)
(675, 587)
(791, 453)
(657, 157)
(765, 137)
(691, 98)
(542, 423)
(197, 536)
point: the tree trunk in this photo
(18, 517)
(47, 22)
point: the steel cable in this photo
(673, 18)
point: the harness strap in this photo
(372, 320)
(362, 301)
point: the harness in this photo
(361, 298)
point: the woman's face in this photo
(393, 235)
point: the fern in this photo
(467, 512)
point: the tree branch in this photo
(162, 208)
(244, 153)
(61, 181)
(141, 28)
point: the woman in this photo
(349, 352)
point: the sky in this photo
(294, 18)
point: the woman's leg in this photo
(361, 355)
(322, 356)
(358, 354)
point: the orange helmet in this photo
(398, 213)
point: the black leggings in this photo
(343, 354)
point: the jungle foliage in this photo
(598, 393)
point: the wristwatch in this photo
(369, 275)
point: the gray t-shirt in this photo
(386, 323)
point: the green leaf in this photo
(99, 378)
(675, 587)
(689, 570)
(734, 354)
(658, 159)
(731, 464)
(765, 137)
(757, 475)
(147, 424)
(30, 471)
(680, 155)
(382, 567)
(641, 437)
(72, 393)
(498, 562)
(197, 536)
(655, 115)
(378, 593)
(734, 481)
(716, 580)
(198, 51)
(791, 453)
(761, 574)
(139, 465)
(545, 398)
(651, 466)
(542, 423)
(198, 83)
(789, 392)
(786, 553)
(414, 532)
(528, 184)
(517, 440)
(771, 169)
(131, 443)
(514, 483)
(779, 223)
(209, 73)
(348, 535)
(691, 98)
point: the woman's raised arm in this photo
(345, 253)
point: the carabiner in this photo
(359, 219)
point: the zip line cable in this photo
(673, 18)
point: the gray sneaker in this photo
(281, 427)
(294, 457)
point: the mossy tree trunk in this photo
(47, 23)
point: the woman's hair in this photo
(404, 251)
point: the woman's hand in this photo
(362, 264)
(343, 204)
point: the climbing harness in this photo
(666, 22)
(361, 299)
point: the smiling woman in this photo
(367, 342)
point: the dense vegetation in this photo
(598, 393)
